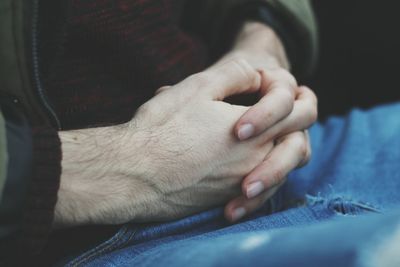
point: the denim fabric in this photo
(339, 210)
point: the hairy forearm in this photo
(94, 161)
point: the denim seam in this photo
(115, 246)
(78, 261)
(111, 244)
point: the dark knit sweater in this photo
(111, 56)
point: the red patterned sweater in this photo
(113, 55)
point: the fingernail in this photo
(245, 131)
(254, 189)
(238, 213)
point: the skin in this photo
(280, 97)
(185, 150)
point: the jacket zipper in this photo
(36, 66)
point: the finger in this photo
(309, 150)
(303, 115)
(241, 206)
(286, 156)
(162, 89)
(278, 90)
(231, 78)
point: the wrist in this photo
(257, 41)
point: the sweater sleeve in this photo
(42, 191)
(30, 186)
(293, 21)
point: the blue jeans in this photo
(342, 209)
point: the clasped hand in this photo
(280, 118)
(186, 150)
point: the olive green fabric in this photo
(8, 65)
(9, 78)
(3, 155)
(15, 81)
(301, 14)
(296, 13)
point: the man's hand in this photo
(283, 114)
(176, 157)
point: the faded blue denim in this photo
(339, 210)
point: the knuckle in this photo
(311, 115)
(242, 67)
(311, 95)
(240, 63)
(314, 115)
(269, 116)
(304, 153)
(287, 76)
(291, 80)
(276, 177)
(302, 148)
(145, 108)
(162, 89)
(149, 111)
(280, 72)
(306, 158)
(299, 143)
(201, 79)
(315, 98)
(287, 101)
